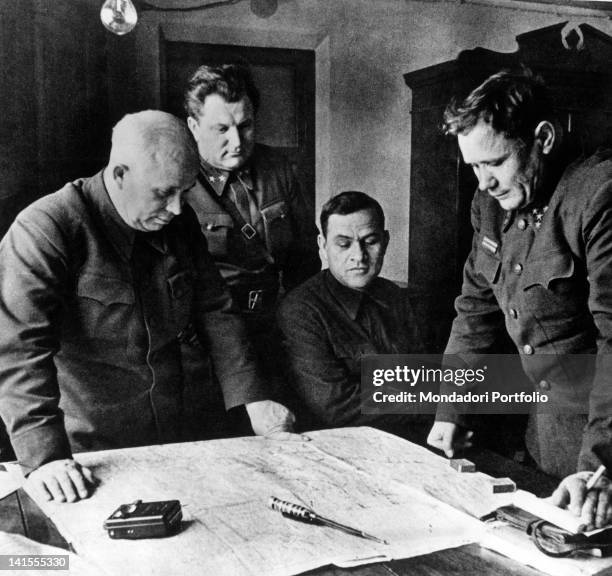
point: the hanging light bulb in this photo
(119, 16)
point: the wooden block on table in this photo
(500, 485)
(462, 465)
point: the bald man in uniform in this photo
(97, 283)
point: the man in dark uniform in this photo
(97, 283)
(540, 270)
(249, 204)
(343, 313)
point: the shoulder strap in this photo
(245, 228)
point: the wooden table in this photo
(19, 514)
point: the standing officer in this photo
(97, 283)
(249, 204)
(540, 270)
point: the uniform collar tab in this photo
(219, 179)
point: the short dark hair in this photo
(231, 81)
(512, 102)
(347, 203)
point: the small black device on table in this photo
(145, 520)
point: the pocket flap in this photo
(104, 289)
(215, 220)
(548, 268)
(275, 211)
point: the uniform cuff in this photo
(40, 445)
(243, 388)
(597, 431)
(453, 417)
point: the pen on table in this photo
(298, 512)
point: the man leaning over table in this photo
(344, 312)
(540, 271)
(97, 283)
(250, 205)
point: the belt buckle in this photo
(255, 300)
(248, 231)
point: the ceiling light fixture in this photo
(120, 16)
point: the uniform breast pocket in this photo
(217, 227)
(554, 287)
(488, 265)
(104, 306)
(180, 286)
(277, 224)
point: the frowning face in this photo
(354, 248)
(224, 131)
(150, 193)
(508, 170)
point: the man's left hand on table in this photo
(273, 420)
(62, 480)
(593, 506)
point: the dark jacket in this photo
(325, 334)
(89, 350)
(545, 278)
(289, 234)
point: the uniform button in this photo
(544, 385)
(528, 349)
(522, 224)
(518, 268)
(513, 313)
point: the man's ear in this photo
(193, 126)
(546, 136)
(119, 172)
(322, 251)
(386, 239)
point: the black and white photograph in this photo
(306, 287)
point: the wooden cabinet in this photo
(577, 66)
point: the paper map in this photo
(367, 479)
(228, 529)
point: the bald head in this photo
(153, 136)
(153, 160)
